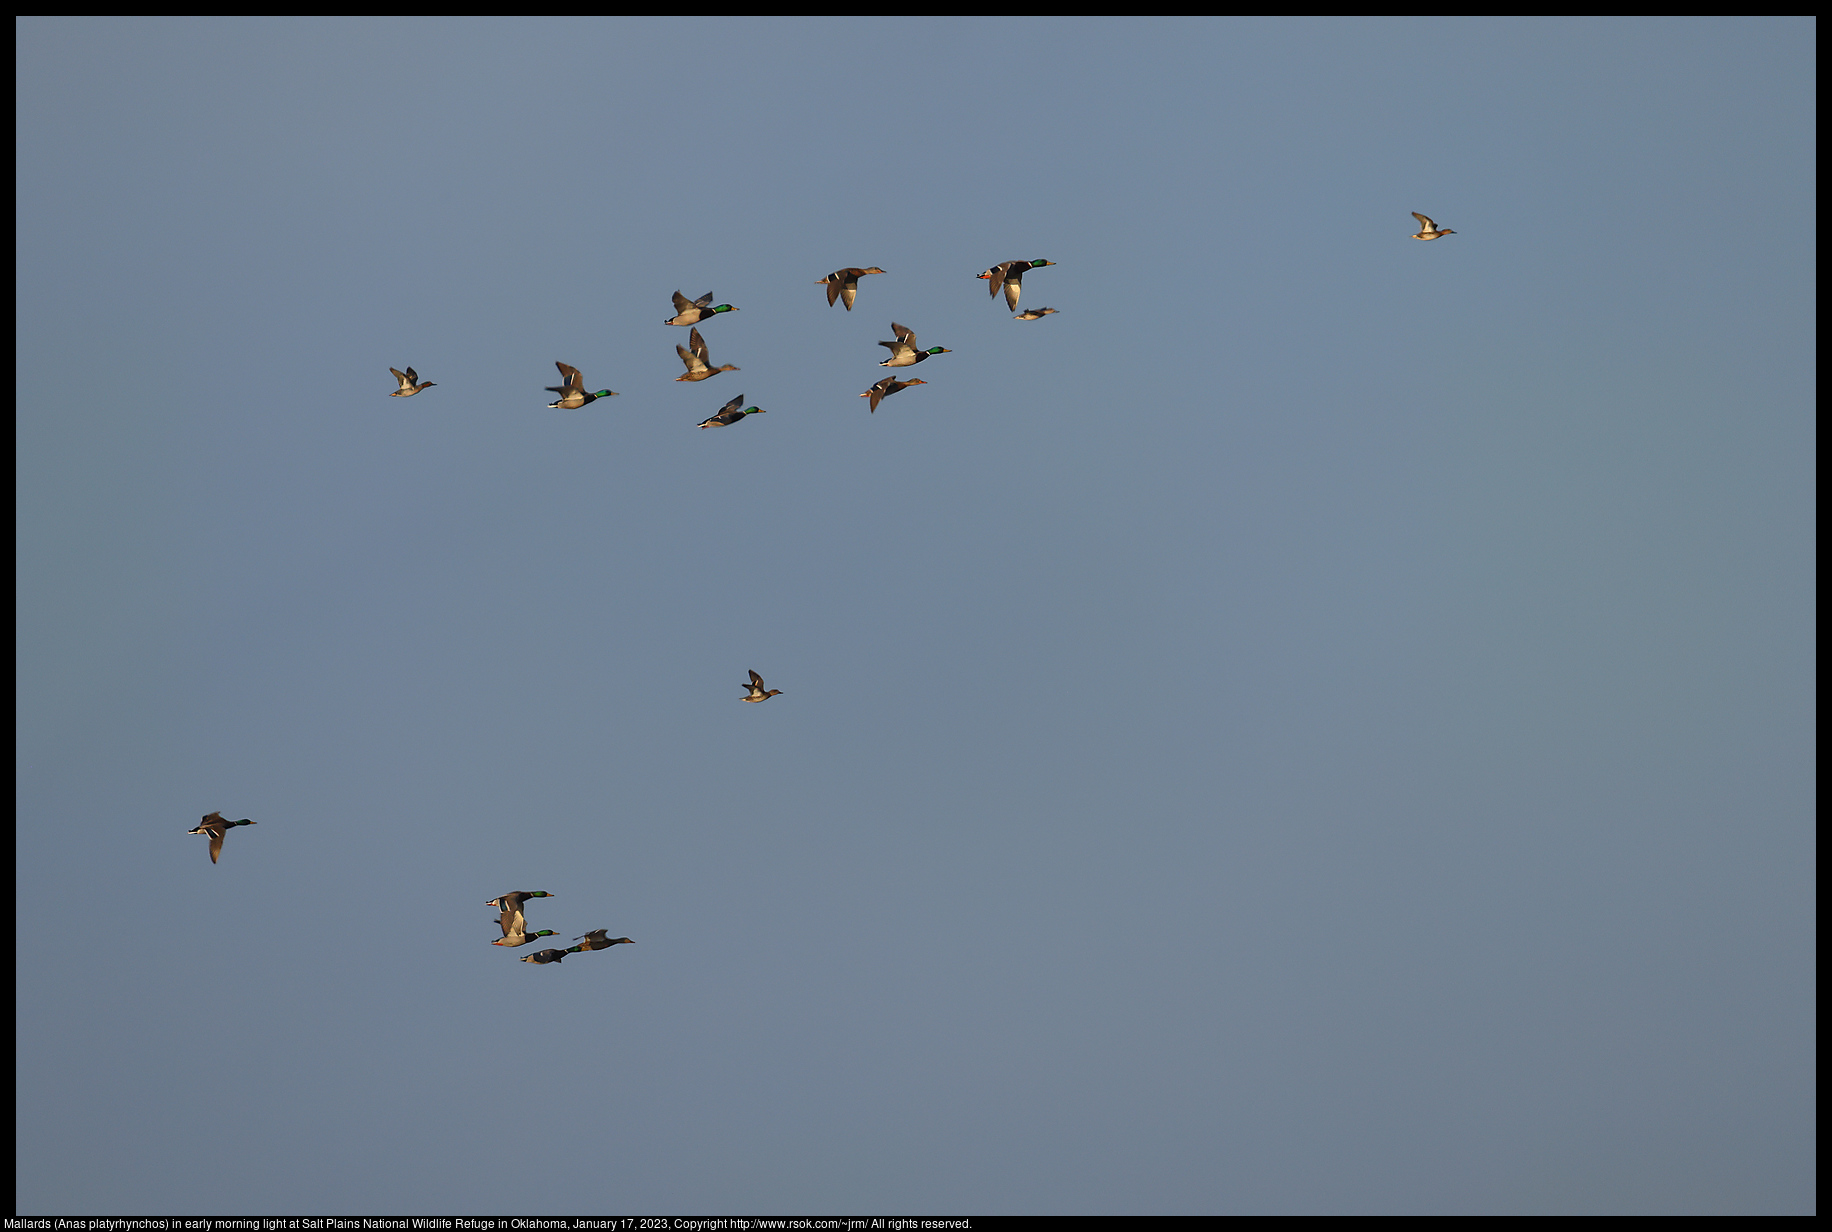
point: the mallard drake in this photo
(1033, 314)
(698, 360)
(755, 689)
(692, 312)
(1010, 276)
(514, 939)
(845, 284)
(216, 825)
(1429, 230)
(512, 920)
(596, 940)
(572, 394)
(408, 389)
(729, 414)
(547, 956)
(888, 386)
(903, 351)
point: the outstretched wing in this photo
(756, 681)
(570, 375)
(413, 378)
(216, 843)
(697, 345)
(1425, 224)
(703, 300)
(681, 303)
(401, 377)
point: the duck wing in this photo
(570, 375)
(404, 380)
(1425, 224)
(697, 345)
(216, 842)
(904, 333)
(756, 680)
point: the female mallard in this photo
(755, 690)
(1033, 314)
(693, 312)
(888, 386)
(514, 939)
(903, 351)
(547, 956)
(216, 825)
(845, 284)
(573, 394)
(1429, 230)
(729, 414)
(408, 389)
(1010, 275)
(699, 360)
(596, 940)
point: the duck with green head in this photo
(573, 394)
(511, 940)
(730, 414)
(510, 905)
(903, 350)
(216, 825)
(552, 956)
(692, 312)
(1010, 276)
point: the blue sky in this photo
(1321, 725)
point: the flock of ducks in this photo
(842, 287)
(515, 930)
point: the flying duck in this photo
(888, 386)
(729, 414)
(514, 939)
(1429, 230)
(698, 360)
(596, 940)
(547, 956)
(1033, 314)
(216, 825)
(1010, 275)
(693, 312)
(755, 687)
(845, 284)
(903, 351)
(510, 905)
(573, 394)
(408, 389)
